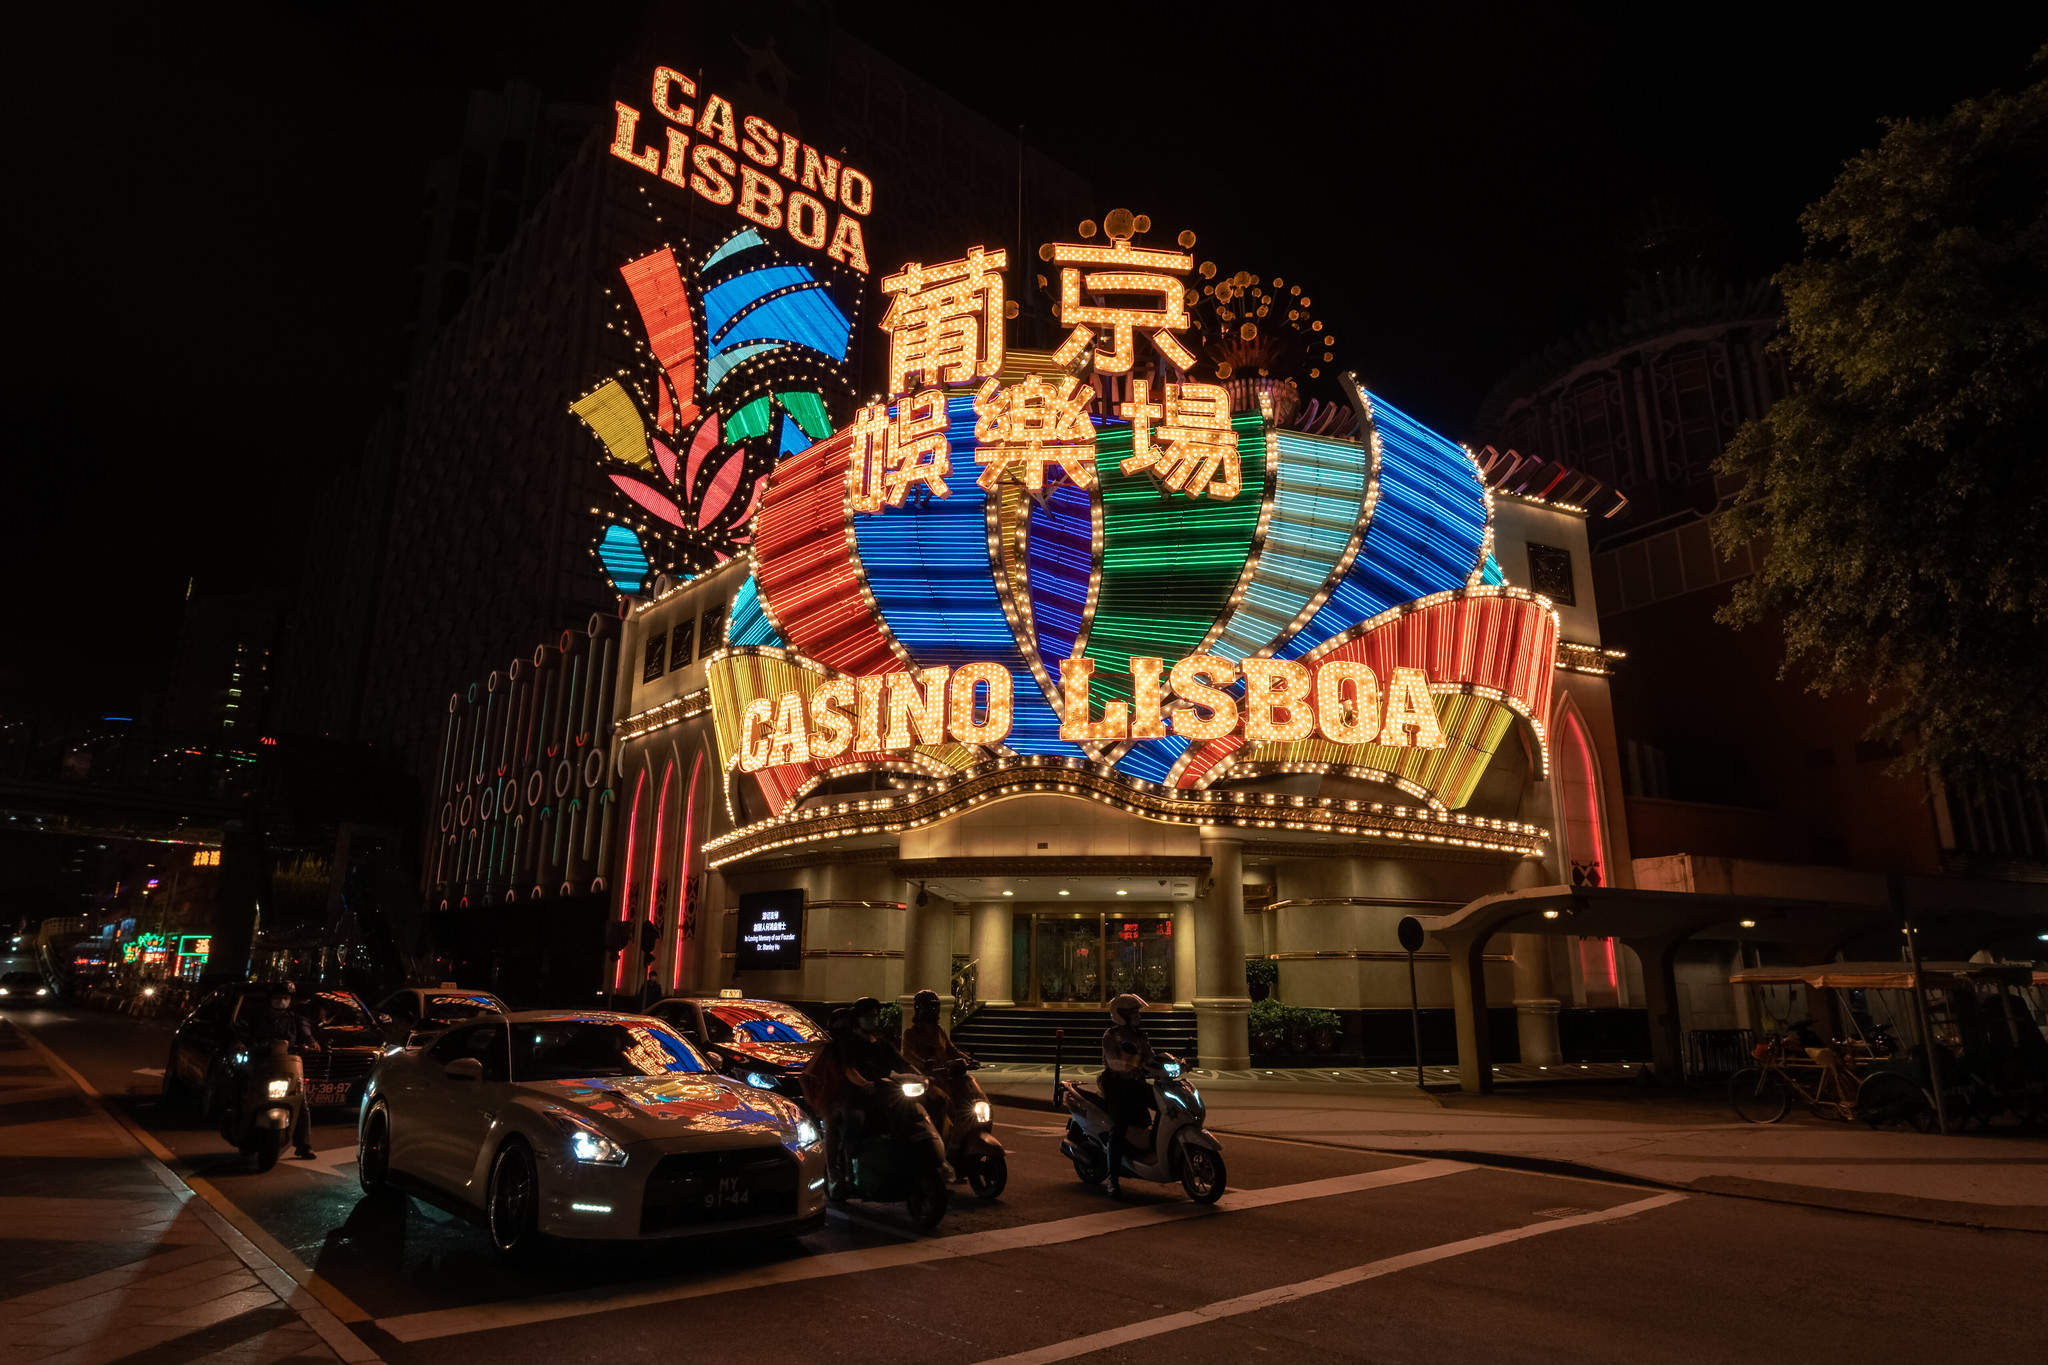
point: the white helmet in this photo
(1126, 1008)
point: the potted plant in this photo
(1262, 978)
(1267, 1026)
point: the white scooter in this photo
(1177, 1148)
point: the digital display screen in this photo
(771, 937)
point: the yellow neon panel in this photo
(610, 412)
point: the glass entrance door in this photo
(1087, 959)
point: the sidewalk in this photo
(105, 1254)
(1680, 1139)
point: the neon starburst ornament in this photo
(739, 353)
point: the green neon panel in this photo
(1169, 562)
(751, 420)
(809, 411)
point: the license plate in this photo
(326, 1092)
(724, 1192)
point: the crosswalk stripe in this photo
(447, 1322)
(1301, 1289)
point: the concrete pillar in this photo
(1221, 1005)
(927, 945)
(1535, 1004)
(1660, 999)
(1468, 1004)
(1184, 955)
(992, 930)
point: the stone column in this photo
(1535, 1005)
(1468, 1002)
(1221, 1005)
(1660, 991)
(1184, 954)
(992, 930)
(927, 945)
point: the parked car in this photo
(23, 986)
(413, 1015)
(586, 1125)
(762, 1042)
(212, 1045)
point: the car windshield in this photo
(577, 1049)
(761, 1023)
(335, 1015)
(20, 979)
(447, 1009)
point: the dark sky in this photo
(212, 210)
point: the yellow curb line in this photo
(332, 1299)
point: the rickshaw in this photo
(1989, 1047)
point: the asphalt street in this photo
(1319, 1253)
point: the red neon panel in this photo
(1506, 643)
(805, 569)
(664, 303)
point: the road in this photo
(1319, 1253)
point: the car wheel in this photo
(512, 1206)
(1201, 1173)
(926, 1201)
(373, 1154)
(987, 1176)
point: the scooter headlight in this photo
(1173, 1070)
(913, 1090)
(981, 1111)
(279, 1089)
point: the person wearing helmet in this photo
(871, 1060)
(926, 1047)
(827, 1091)
(1127, 1063)
(282, 1024)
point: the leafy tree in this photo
(1901, 490)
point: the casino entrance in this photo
(1080, 960)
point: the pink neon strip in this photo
(675, 971)
(626, 881)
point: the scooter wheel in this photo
(1201, 1173)
(266, 1145)
(926, 1202)
(988, 1176)
(1088, 1172)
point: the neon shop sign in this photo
(770, 178)
(1342, 700)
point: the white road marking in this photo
(446, 1322)
(327, 1163)
(1301, 1289)
(156, 1071)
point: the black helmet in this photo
(924, 1007)
(841, 1022)
(866, 1006)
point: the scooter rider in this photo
(870, 1061)
(1128, 1060)
(281, 1023)
(926, 1047)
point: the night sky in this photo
(212, 214)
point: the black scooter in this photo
(260, 1122)
(902, 1163)
(972, 1148)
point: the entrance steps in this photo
(1014, 1035)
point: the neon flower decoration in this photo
(738, 354)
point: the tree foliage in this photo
(1901, 490)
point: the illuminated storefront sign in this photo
(768, 177)
(195, 945)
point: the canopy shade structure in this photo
(1891, 976)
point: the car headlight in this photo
(759, 1081)
(981, 1111)
(42, 990)
(589, 1146)
(807, 1134)
(913, 1089)
(3, 990)
(279, 1089)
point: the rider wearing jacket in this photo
(282, 1024)
(870, 1060)
(1128, 1062)
(926, 1047)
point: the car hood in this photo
(790, 1055)
(665, 1106)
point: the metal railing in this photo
(966, 1001)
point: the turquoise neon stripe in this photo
(1319, 496)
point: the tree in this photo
(1900, 492)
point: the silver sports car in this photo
(550, 1124)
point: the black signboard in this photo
(771, 931)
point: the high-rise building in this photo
(220, 677)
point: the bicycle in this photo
(1823, 1079)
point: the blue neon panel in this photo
(1319, 494)
(1152, 759)
(793, 440)
(1060, 551)
(724, 302)
(807, 317)
(748, 624)
(623, 559)
(1425, 534)
(738, 242)
(927, 567)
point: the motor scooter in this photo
(1177, 1147)
(260, 1122)
(972, 1148)
(902, 1162)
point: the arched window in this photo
(1578, 791)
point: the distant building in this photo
(220, 679)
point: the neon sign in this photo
(782, 183)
